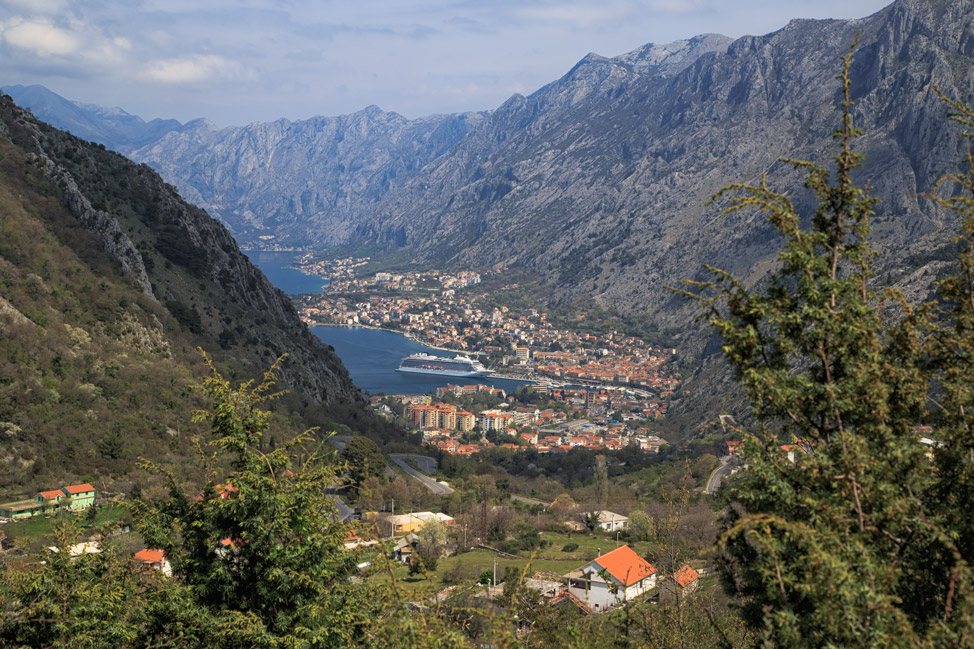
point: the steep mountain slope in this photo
(113, 127)
(108, 282)
(600, 181)
(311, 183)
(301, 183)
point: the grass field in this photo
(39, 528)
(551, 559)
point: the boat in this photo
(427, 364)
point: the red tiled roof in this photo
(685, 575)
(626, 566)
(79, 488)
(52, 495)
(150, 556)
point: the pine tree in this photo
(850, 544)
(260, 546)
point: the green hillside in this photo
(109, 283)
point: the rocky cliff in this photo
(306, 183)
(109, 281)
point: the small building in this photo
(20, 509)
(154, 559)
(409, 523)
(50, 501)
(684, 581)
(612, 579)
(82, 496)
(610, 521)
(733, 447)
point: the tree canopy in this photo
(846, 530)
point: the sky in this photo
(260, 60)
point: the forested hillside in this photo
(108, 284)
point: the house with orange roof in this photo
(50, 500)
(733, 447)
(612, 579)
(82, 495)
(154, 559)
(684, 581)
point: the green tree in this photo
(640, 528)
(601, 480)
(364, 459)
(851, 544)
(433, 534)
(259, 547)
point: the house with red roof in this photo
(82, 495)
(684, 582)
(154, 559)
(733, 447)
(612, 579)
(50, 500)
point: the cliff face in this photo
(600, 181)
(108, 283)
(302, 183)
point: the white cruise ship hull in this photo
(422, 370)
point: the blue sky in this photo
(259, 60)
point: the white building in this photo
(612, 522)
(611, 579)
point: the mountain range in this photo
(599, 184)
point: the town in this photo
(522, 343)
(467, 425)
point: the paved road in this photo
(339, 441)
(344, 511)
(530, 501)
(713, 484)
(427, 463)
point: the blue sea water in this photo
(276, 265)
(371, 355)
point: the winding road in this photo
(713, 483)
(427, 463)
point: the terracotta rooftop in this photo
(150, 556)
(625, 565)
(79, 488)
(685, 576)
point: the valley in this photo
(674, 350)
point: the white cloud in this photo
(194, 69)
(39, 37)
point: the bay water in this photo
(371, 355)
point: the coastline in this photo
(404, 334)
(410, 336)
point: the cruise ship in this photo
(456, 366)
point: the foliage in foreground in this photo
(862, 541)
(258, 559)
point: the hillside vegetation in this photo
(108, 284)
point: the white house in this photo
(611, 579)
(154, 559)
(611, 522)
